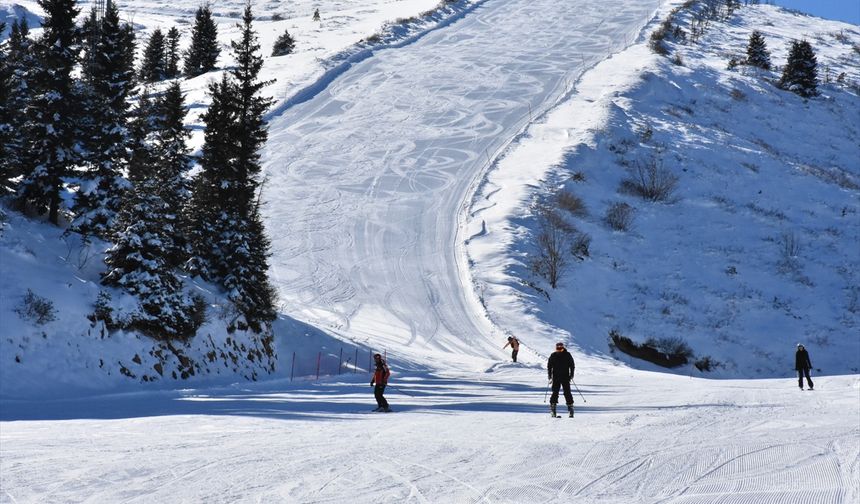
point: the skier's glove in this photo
(371, 383)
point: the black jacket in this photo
(560, 366)
(801, 360)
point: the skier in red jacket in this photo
(379, 381)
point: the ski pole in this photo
(577, 390)
(546, 392)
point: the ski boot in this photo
(570, 410)
(552, 410)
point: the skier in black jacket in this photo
(560, 368)
(802, 364)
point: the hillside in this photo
(707, 268)
(754, 250)
(404, 180)
(65, 352)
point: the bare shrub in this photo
(853, 299)
(667, 352)
(671, 345)
(789, 246)
(657, 45)
(103, 311)
(578, 177)
(657, 41)
(581, 245)
(651, 181)
(571, 202)
(619, 216)
(738, 95)
(36, 309)
(553, 243)
(706, 363)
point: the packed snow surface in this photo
(457, 437)
(370, 171)
(366, 179)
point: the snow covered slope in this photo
(462, 437)
(366, 178)
(380, 244)
(759, 170)
(65, 353)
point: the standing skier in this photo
(379, 381)
(560, 368)
(514, 343)
(802, 364)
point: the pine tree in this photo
(247, 250)
(229, 244)
(141, 133)
(15, 156)
(89, 37)
(154, 65)
(174, 162)
(203, 53)
(284, 45)
(139, 263)
(800, 74)
(171, 54)
(206, 216)
(51, 111)
(106, 142)
(757, 53)
(7, 170)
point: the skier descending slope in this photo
(560, 367)
(802, 364)
(514, 343)
(380, 379)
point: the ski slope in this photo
(366, 178)
(459, 438)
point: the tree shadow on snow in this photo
(343, 398)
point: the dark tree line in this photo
(81, 142)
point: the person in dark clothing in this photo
(560, 367)
(379, 381)
(802, 364)
(514, 343)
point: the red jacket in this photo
(380, 377)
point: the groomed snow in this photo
(366, 180)
(459, 437)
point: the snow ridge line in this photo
(341, 62)
(470, 199)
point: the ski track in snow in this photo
(367, 178)
(455, 440)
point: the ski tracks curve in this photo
(367, 178)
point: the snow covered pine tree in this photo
(757, 53)
(800, 74)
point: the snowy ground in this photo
(362, 207)
(755, 164)
(460, 437)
